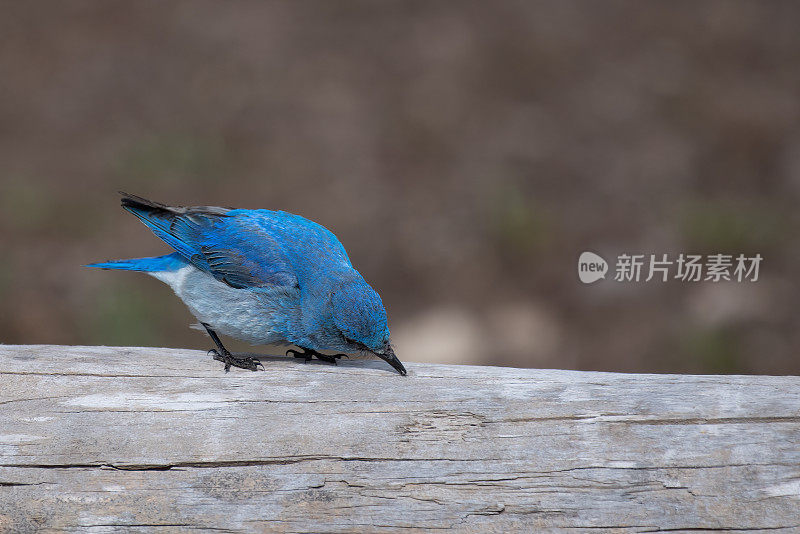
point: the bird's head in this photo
(360, 317)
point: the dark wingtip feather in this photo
(134, 201)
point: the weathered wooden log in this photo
(162, 439)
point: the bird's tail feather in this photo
(170, 262)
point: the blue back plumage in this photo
(243, 248)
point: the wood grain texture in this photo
(101, 438)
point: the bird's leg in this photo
(222, 354)
(308, 353)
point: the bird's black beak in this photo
(391, 359)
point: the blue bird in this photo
(264, 277)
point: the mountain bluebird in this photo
(265, 277)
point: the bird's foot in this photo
(308, 353)
(246, 362)
(331, 358)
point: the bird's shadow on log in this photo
(359, 362)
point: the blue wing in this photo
(233, 249)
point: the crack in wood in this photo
(227, 463)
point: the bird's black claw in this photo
(297, 354)
(331, 358)
(307, 354)
(229, 360)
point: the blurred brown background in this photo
(464, 152)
